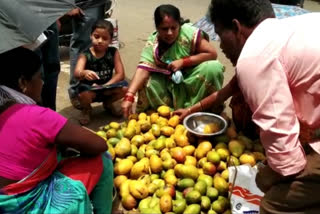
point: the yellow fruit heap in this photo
(159, 167)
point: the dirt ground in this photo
(135, 20)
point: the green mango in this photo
(179, 206)
(192, 208)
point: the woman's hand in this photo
(176, 65)
(126, 108)
(90, 75)
(182, 113)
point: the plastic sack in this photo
(245, 195)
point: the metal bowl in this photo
(196, 122)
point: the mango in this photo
(150, 210)
(190, 160)
(144, 125)
(118, 180)
(232, 132)
(152, 188)
(174, 121)
(236, 147)
(178, 154)
(211, 128)
(144, 203)
(151, 152)
(193, 197)
(209, 168)
(111, 133)
(258, 156)
(154, 117)
(213, 157)
(233, 161)
(179, 206)
(205, 203)
(221, 145)
(206, 178)
(167, 131)
(221, 138)
(185, 183)
(114, 125)
(137, 140)
(212, 193)
(247, 159)
(193, 208)
(138, 189)
(134, 150)
(220, 184)
(164, 111)
(225, 174)
(165, 203)
(181, 140)
(128, 202)
(124, 188)
(246, 141)
(138, 169)
(223, 153)
(169, 163)
(123, 167)
(201, 187)
(155, 164)
(170, 143)
(189, 149)
(129, 132)
(101, 134)
(123, 148)
(113, 141)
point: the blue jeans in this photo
(50, 68)
(80, 40)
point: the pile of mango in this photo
(160, 168)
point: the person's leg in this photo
(80, 40)
(157, 92)
(300, 195)
(199, 82)
(101, 195)
(85, 99)
(51, 68)
(112, 100)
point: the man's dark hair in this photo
(247, 12)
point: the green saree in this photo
(199, 81)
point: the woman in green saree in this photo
(177, 68)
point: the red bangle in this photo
(129, 98)
(187, 62)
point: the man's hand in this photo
(76, 12)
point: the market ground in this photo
(135, 24)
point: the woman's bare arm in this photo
(75, 136)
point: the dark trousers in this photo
(298, 195)
(50, 57)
